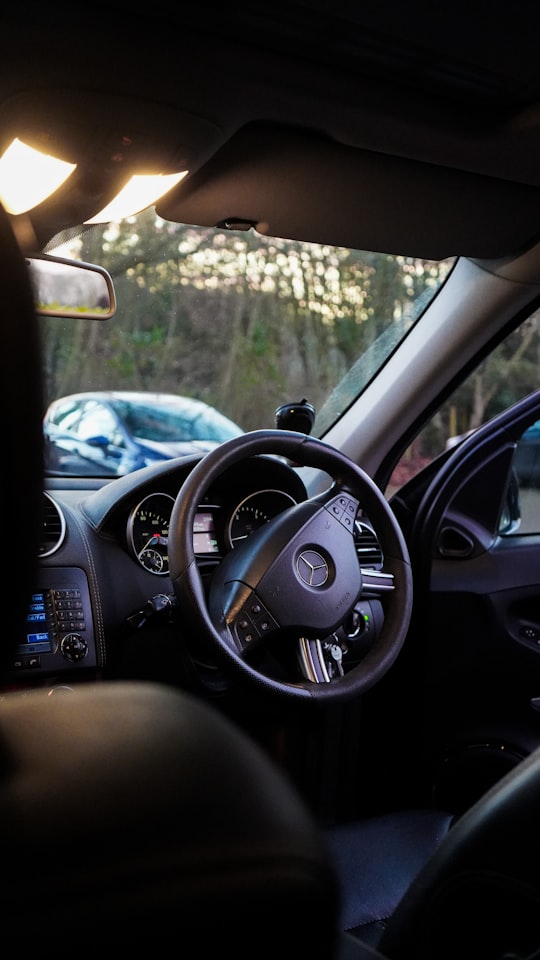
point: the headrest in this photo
(134, 815)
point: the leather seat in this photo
(418, 885)
(478, 895)
(134, 816)
(376, 860)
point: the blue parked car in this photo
(112, 433)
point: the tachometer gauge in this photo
(256, 510)
(148, 532)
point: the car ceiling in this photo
(401, 129)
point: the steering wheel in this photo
(291, 609)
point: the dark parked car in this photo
(527, 457)
(280, 698)
(114, 432)
(526, 460)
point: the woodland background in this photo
(250, 324)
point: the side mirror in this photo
(71, 288)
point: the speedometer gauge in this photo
(256, 510)
(148, 532)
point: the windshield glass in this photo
(231, 323)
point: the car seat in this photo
(376, 860)
(477, 894)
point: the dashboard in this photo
(104, 556)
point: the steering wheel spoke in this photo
(375, 583)
(320, 661)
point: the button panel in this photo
(252, 622)
(344, 508)
(59, 632)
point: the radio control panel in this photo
(59, 632)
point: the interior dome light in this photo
(140, 192)
(27, 176)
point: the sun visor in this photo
(307, 187)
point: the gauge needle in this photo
(156, 538)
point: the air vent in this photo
(368, 548)
(53, 527)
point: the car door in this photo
(467, 689)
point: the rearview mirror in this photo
(71, 288)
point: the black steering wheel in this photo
(291, 609)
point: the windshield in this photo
(233, 321)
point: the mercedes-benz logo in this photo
(312, 568)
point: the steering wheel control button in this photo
(244, 633)
(344, 508)
(252, 623)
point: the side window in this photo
(526, 465)
(509, 373)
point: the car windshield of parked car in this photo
(235, 322)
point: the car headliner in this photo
(407, 130)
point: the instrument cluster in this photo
(216, 530)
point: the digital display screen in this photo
(37, 639)
(204, 540)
